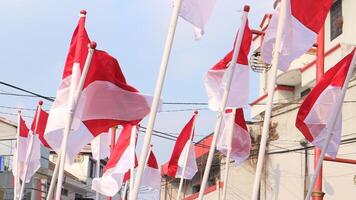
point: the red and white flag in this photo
(118, 167)
(20, 155)
(318, 107)
(25, 138)
(304, 19)
(106, 99)
(197, 12)
(151, 180)
(215, 79)
(100, 146)
(241, 141)
(183, 148)
(41, 126)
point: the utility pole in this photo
(318, 187)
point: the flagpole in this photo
(231, 71)
(132, 158)
(186, 159)
(17, 178)
(71, 94)
(112, 146)
(53, 179)
(228, 154)
(30, 149)
(97, 194)
(125, 190)
(157, 95)
(69, 120)
(332, 120)
(267, 118)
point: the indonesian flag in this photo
(20, 155)
(151, 180)
(41, 126)
(241, 141)
(106, 99)
(117, 169)
(215, 79)
(182, 149)
(197, 12)
(313, 118)
(25, 139)
(100, 146)
(304, 19)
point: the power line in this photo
(27, 91)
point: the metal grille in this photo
(257, 64)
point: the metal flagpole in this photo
(97, 194)
(157, 95)
(186, 159)
(228, 154)
(17, 178)
(132, 158)
(112, 146)
(53, 179)
(267, 118)
(74, 80)
(124, 192)
(69, 120)
(332, 121)
(231, 71)
(30, 149)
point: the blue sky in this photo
(35, 36)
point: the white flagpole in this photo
(15, 160)
(224, 101)
(132, 158)
(228, 154)
(186, 159)
(124, 192)
(30, 149)
(267, 118)
(332, 120)
(53, 179)
(97, 194)
(72, 89)
(69, 120)
(157, 95)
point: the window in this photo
(305, 92)
(64, 192)
(92, 167)
(78, 196)
(336, 20)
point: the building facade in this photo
(77, 177)
(289, 160)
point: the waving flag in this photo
(41, 126)
(300, 30)
(20, 155)
(180, 151)
(24, 141)
(100, 146)
(151, 180)
(215, 78)
(241, 141)
(313, 115)
(117, 169)
(106, 99)
(197, 12)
